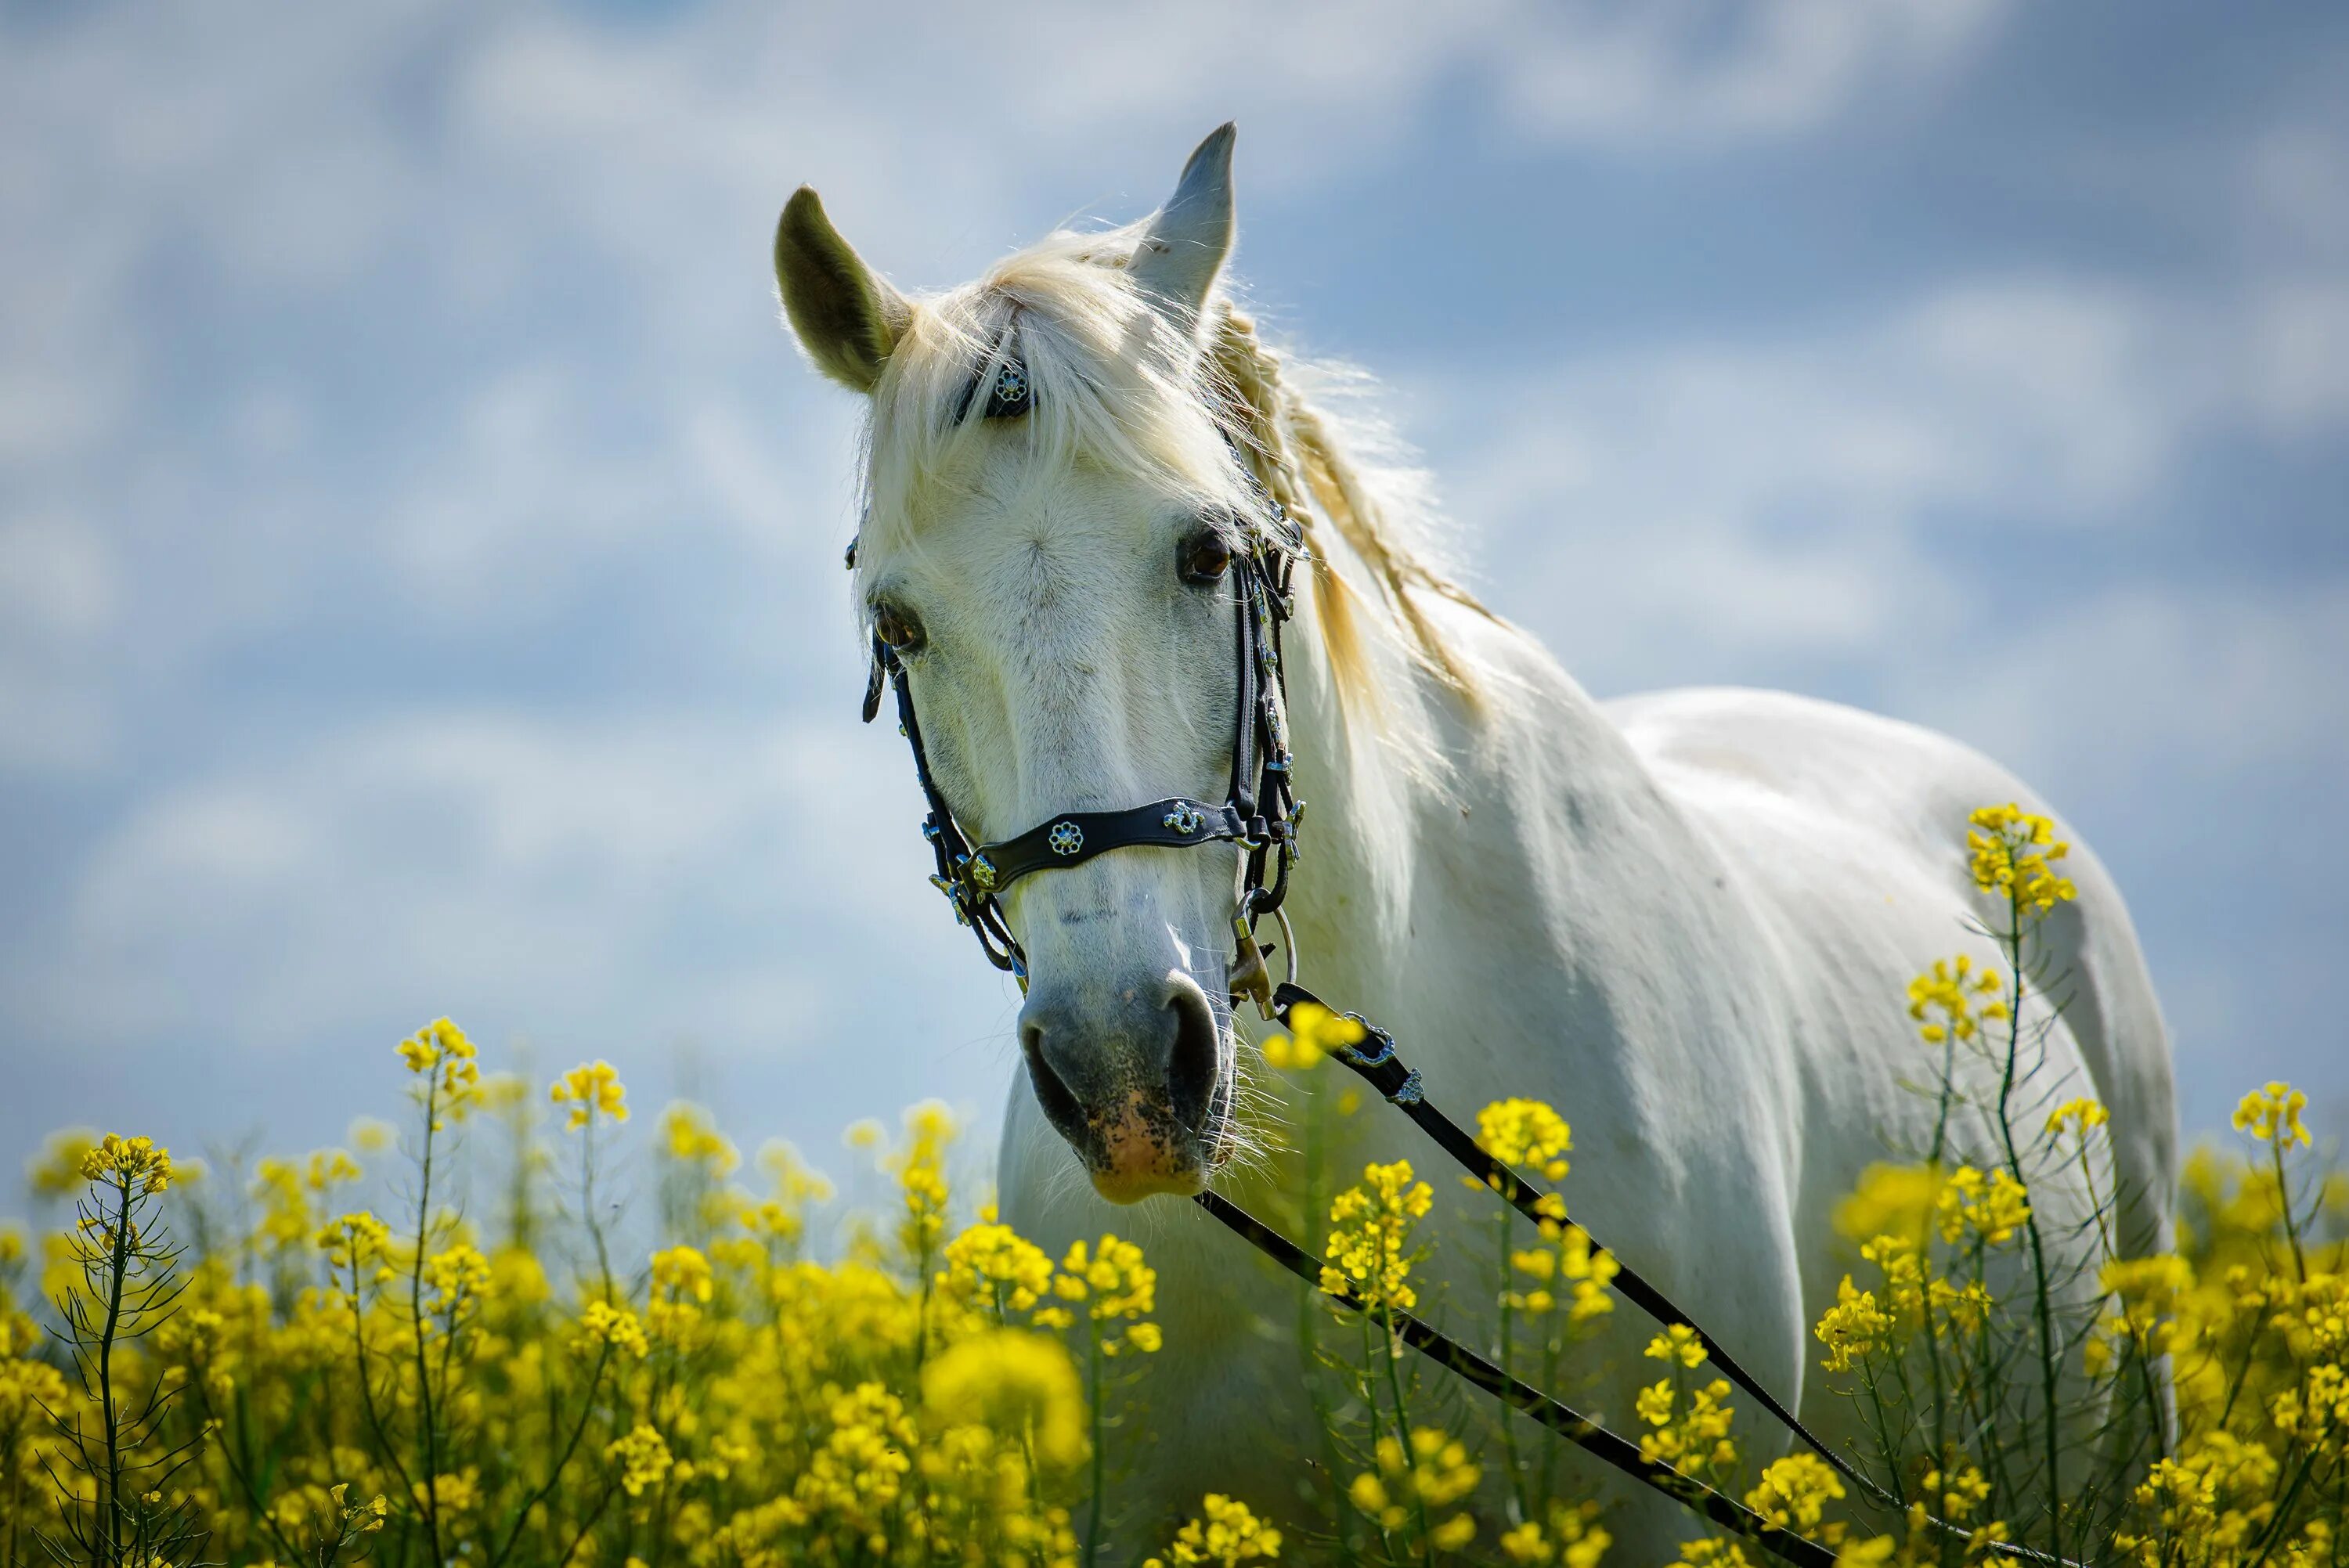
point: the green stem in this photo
(1507, 1358)
(2283, 1201)
(1402, 1429)
(426, 1436)
(119, 1256)
(1093, 1400)
(2011, 940)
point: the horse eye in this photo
(1205, 557)
(898, 630)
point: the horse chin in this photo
(1132, 1189)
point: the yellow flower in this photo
(2271, 1115)
(56, 1170)
(691, 1138)
(1454, 1533)
(1433, 1472)
(456, 1275)
(642, 1457)
(921, 1171)
(1959, 1485)
(1014, 1382)
(439, 1054)
(1853, 1327)
(1794, 1491)
(2077, 1115)
(1677, 1343)
(1370, 1236)
(857, 1475)
(992, 1262)
(451, 1494)
(1951, 992)
(1526, 1135)
(354, 1239)
(1992, 1207)
(1694, 1439)
(1572, 1538)
(364, 1517)
(1225, 1534)
(1891, 1199)
(371, 1135)
(1315, 1032)
(1116, 1286)
(681, 1273)
(2011, 849)
(604, 1324)
(590, 1089)
(130, 1163)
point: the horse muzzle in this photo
(1137, 1079)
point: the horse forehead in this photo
(1060, 551)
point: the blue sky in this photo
(418, 544)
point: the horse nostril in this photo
(1061, 1107)
(1192, 1065)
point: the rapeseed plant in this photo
(339, 1365)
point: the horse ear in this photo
(1178, 259)
(847, 316)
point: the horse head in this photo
(1058, 527)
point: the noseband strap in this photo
(1260, 814)
(1075, 837)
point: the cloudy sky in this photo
(419, 545)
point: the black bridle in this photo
(1260, 812)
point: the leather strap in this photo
(1074, 837)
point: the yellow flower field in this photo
(249, 1368)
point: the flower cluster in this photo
(1946, 999)
(992, 1265)
(1691, 1434)
(1990, 1207)
(134, 1164)
(2012, 851)
(1011, 1380)
(1315, 1032)
(591, 1089)
(1571, 1262)
(1414, 1483)
(444, 1059)
(1369, 1249)
(1570, 1537)
(1225, 1534)
(2271, 1115)
(1527, 1135)
(2077, 1117)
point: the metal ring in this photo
(1288, 939)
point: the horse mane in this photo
(1113, 384)
(1306, 460)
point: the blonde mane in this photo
(1114, 384)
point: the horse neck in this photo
(1514, 804)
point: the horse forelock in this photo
(1115, 384)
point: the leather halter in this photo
(1259, 813)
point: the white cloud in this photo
(1698, 74)
(1704, 508)
(453, 856)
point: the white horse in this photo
(1686, 919)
